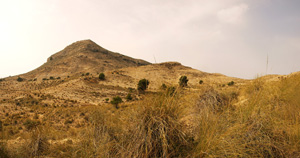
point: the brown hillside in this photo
(91, 90)
(67, 86)
(83, 57)
(61, 76)
(165, 73)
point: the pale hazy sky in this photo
(232, 37)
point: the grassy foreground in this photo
(260, 119)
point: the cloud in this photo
(233, 15)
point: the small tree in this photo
(143, 85)
(116, 101)
(102, 76)
(183, 81)
(201, 82)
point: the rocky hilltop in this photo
(83, 57)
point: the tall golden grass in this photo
(266, 124)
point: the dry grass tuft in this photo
(158, 130)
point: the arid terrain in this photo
(64, 109)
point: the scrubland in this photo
(256, 119)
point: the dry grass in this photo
(266, 125)
(260, 119)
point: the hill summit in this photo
(83, 57)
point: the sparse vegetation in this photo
(30, 124)
(101, 76)
(143, 85)
(206, 123)
(183, 81)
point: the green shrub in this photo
(101, 76)
(183, 81)
(20, 79)
(230, 83)
(87, 74)
(128, 97)
(130, 89)
(163, 86)
(116, 101)
(201, 82)
(51, 78)
(143, 85)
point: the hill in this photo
(83, 57)
(72, 74)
